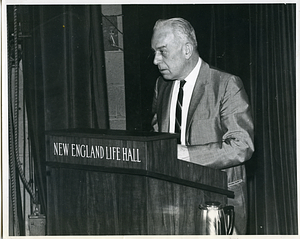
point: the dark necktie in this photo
(179, 110)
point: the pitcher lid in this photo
(210, 205)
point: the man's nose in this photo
(157, 58)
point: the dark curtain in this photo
(273, 94)
(258, 43)
(64, 76)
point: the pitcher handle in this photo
(229, 210)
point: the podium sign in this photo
(111, 182)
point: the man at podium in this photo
(207, 107)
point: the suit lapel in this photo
(166, 105)
(202, 79)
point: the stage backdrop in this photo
(64, 72)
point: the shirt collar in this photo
(191, 78)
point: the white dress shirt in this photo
(187, 94)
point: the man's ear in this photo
(188, 50)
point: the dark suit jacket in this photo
(219, 130)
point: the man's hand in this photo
(183, 153)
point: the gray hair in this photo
(181, 26)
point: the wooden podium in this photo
(110, 182)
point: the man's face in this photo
(169, 54)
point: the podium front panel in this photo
(124, 183)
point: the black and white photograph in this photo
(149, 119)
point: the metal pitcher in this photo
(216, 219)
